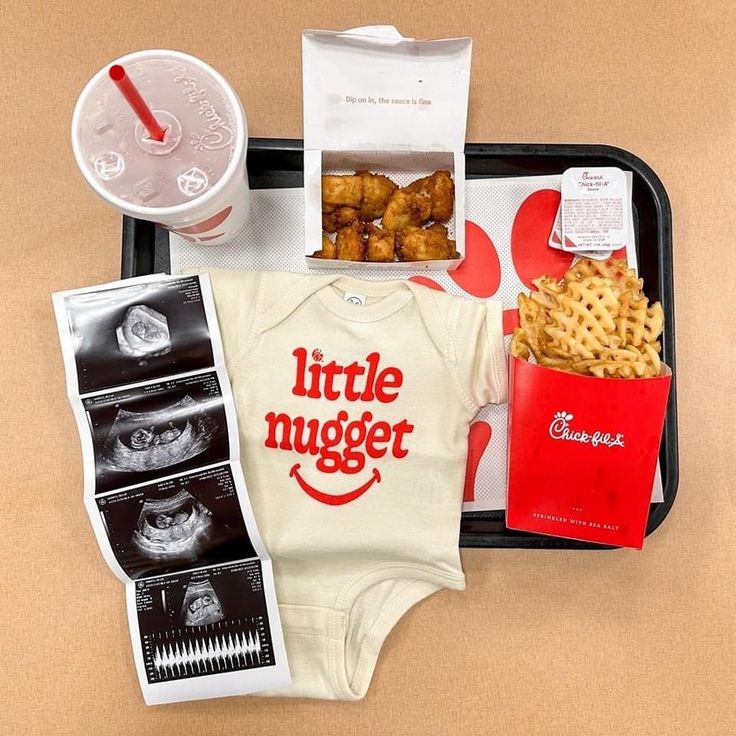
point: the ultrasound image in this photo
(139, 332)
(194, 520)
(201, 605)
(205, 622)
(143, 333)
(145, 432)
(188, 432)
(177, 526)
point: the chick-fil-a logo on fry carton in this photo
(560, 429)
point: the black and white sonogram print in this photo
(147, 432)
(190, 521)
(204, 622)
(143, 331)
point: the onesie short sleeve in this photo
(479, 353)
(236, 295)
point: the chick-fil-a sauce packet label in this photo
(594, 209)
(555, 241)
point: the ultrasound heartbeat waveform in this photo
(207, 655)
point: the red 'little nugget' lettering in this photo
(352, 372)
(400, 429)
(273, 421)
(388, 378)
(330, 459)
(330, 371)
(322, 380)
(341, 445)
(315, 370)
(380, 432)
(310, 444)
(370, 378)
(299, 388)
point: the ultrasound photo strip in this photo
(164, 489)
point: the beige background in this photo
(541, 643)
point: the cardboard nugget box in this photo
(376, 101)
(583, 453)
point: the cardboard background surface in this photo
(541, 643)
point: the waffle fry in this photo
(612, 268)
(595, 321)
(520, 345)
(533, 319)
(547, 285)
(639, 324)
(650, 356)
(583, 323)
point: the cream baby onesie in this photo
(354, 400)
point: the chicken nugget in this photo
(349, 244)
(346, 191)
(380, 248)
(406, 209)
(328, 249)
(418, 244)
(438, 227)
(442, 230)
(440, 188)
(377, 189)
(338, 217)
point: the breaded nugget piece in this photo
(417, 244)
(442, 230)
(380, 248)
(349, 244)
(377, 190)
(338, 217)
(440, 188)
(328, 249)
(346, 191)
(438, 227)
(406, 209)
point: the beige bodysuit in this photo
(354, 400)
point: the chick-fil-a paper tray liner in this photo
(507, 228)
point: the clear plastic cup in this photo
(195, 181)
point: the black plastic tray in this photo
(274, 163)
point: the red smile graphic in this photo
(333, 500)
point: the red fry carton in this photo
(583, 453)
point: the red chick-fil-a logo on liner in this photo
(560, 429)
(345, 443)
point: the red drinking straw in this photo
(140, 108)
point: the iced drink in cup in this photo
(161, 136)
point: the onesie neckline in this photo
(396, 294)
